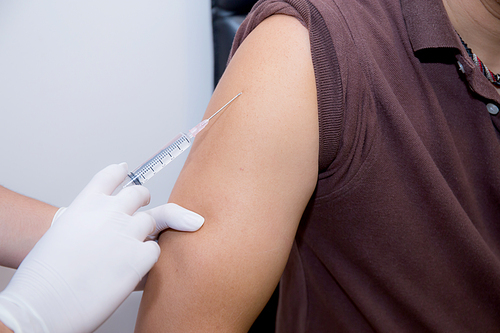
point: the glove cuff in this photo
(18, 318)
(57, 214)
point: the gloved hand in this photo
(166, 216)
(173, 216)
(86, 264)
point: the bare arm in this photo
(250, 175)
(23, 221)
(4, 329)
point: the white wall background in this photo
(84, 84)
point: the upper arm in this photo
(250, 173)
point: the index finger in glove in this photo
(108, 179)
(131, 198)
(142, 225)
(145, 256)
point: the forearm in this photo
(23, 221)
(4, 329)
(88, 261)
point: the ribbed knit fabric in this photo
(403, 231)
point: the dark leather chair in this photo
(227, 16)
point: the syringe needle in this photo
(169, 152)
(195, 130)
(222, 108)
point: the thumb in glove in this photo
(174, 216)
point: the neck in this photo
(478, 23)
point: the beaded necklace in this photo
(494, 78)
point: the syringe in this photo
(168, 153)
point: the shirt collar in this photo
(428, 25)
(429, 28)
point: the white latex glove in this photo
(86, 264)
(166, 216)
(174, 216)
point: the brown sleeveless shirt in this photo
(403, 231)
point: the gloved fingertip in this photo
(154, 248)
(197, 221)
(173, 216)
(183, 219)
(124, 165)
(192, 220)
(145, 256)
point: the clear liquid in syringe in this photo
(160, 160)
(168, 153)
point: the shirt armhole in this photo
(325, 63)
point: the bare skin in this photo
(478, 23)
(251, 186)
(4, 329)
(23, 221)
(250, 175)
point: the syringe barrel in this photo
(159, 160)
